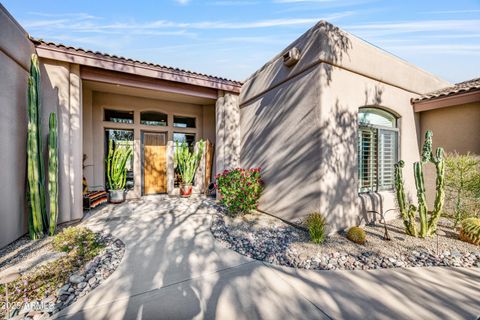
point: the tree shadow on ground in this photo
(174, 269)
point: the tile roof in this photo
(459, 88)
(123, 59)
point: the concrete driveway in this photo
(174, 269)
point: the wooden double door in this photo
(154, 162)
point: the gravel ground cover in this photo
(269, 239)
(16, 256)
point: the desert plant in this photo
(77, 238)
(316, 224)
(240, 189)
(470, 230)
(357, 235)
(81, 246)
(187, 162)
(428, 226)
(52, 173)
(462, 181)
(35, 176)
(116, 165)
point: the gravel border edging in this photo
(279, 244)
(79, 283)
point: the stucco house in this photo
(325, 119)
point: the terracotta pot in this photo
(185, 190)
(116, 196)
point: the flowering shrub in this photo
(240, 189)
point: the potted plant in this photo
(186, 164)
(117, 172)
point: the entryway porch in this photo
(150, 122)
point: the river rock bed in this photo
(79, 283)
(266, 238)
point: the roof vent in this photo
(291, 57)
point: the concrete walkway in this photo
(174, 269)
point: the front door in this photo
(154, 162)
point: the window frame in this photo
(376, 129)
(183, 116)
(157, 112)
(129, 111)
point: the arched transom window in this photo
(377, 149)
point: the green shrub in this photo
(357, 235)
(470, 231)
(316, 224)
(240, 189)
(462, 182)
(81, 239)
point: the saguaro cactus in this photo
(428, 226)
(35, 174)
(52, 173)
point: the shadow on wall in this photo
(50, 103)
(280, 136)
(338, 174)
(335, 46)
(322, 43)
(286, 130)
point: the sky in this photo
(233, 38)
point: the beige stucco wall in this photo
(338, 136)
(15, 52)
(61, 88)
(94, 127)
(300, 124)
(61, 93)
(456, 129)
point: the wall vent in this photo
(291, 57)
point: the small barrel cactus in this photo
(357, 235)
(470, 231)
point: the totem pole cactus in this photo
(428, 226)
(35, 175)
(53, 172)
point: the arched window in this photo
(152, 118)
(377, 149)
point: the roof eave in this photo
(91, 59)
(446, 101)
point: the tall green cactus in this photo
(407, 211)
(428, 226)
(116, 166)
(35, 175)
(53, 172)
(187, 162)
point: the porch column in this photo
(219, 132)
(171, 169)
(232, 131)
(227, 114)
(76, 143)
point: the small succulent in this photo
(316, 224)
(470, 231)
(357, 235)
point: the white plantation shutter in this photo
(377, 154)
(387, 157)
(367, 159)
